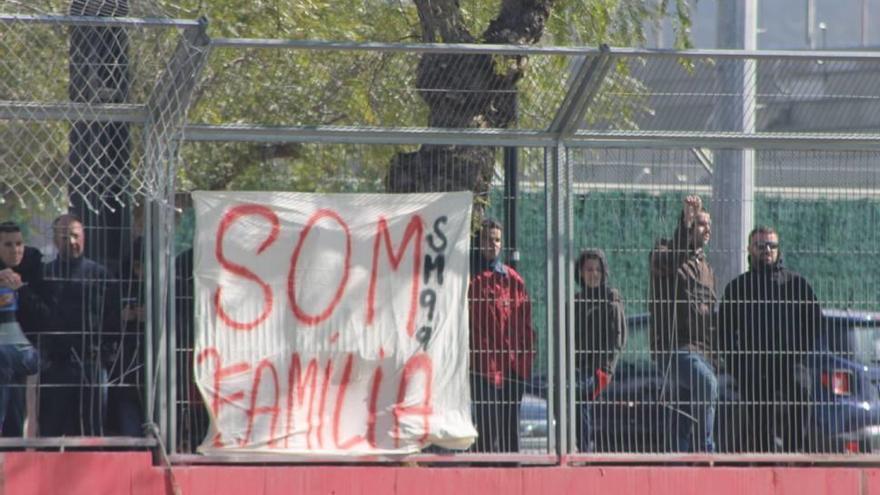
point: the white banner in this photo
(333, 323)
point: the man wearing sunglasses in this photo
(769, 319)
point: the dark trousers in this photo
(16, 410)
(72, 398)
(125, 411)
(16, 362)
(496, 414)
(774, 408)
(584, 416)
(772, 424)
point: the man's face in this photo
(69, 238)
(764, 248)
(11, 248)
(490, 243)
(702, 229)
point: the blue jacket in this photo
(32, 309)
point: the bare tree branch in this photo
(466, 91)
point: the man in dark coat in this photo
(769, 319)
(84, 321)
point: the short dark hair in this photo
(762, 229)
(9, 227)
(491, 223)
(70, 217)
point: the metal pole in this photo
(586, 79)
(733, 179)
(511, 191)
(152, 322)
(811, 24)
(557, 276)
(568, 376)
(167, 107)
(100, 151)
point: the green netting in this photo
(833, 242)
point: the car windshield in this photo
(865, 343)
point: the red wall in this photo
(98, 473)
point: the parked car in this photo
(845, 377)
(841, 379)
(533, 425)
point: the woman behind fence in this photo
(600, 334)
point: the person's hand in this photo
(10, 279)
(602, 380)
(692, 205)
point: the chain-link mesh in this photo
(514, 416)
(655, 359)
(109, 8)
(93, 96)
(75, 97)
(380, 88)
(698, 93)
(775, 347)
(629, 393)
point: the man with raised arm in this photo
(682, 306)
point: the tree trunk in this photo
(466, 91)
(99, 154)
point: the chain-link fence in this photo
(632, 322)
(92, 105)
(777, 339)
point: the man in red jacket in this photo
(502, 344)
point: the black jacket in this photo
(85, 300)
(769, 318)
(600, 323)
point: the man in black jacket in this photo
(21, 310)
(85, 320)
(769, 320)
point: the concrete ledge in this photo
(133, 473)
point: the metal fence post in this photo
(555, 394)
(167, 107)
(733, 179)
(558, 246)
(586, 79)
